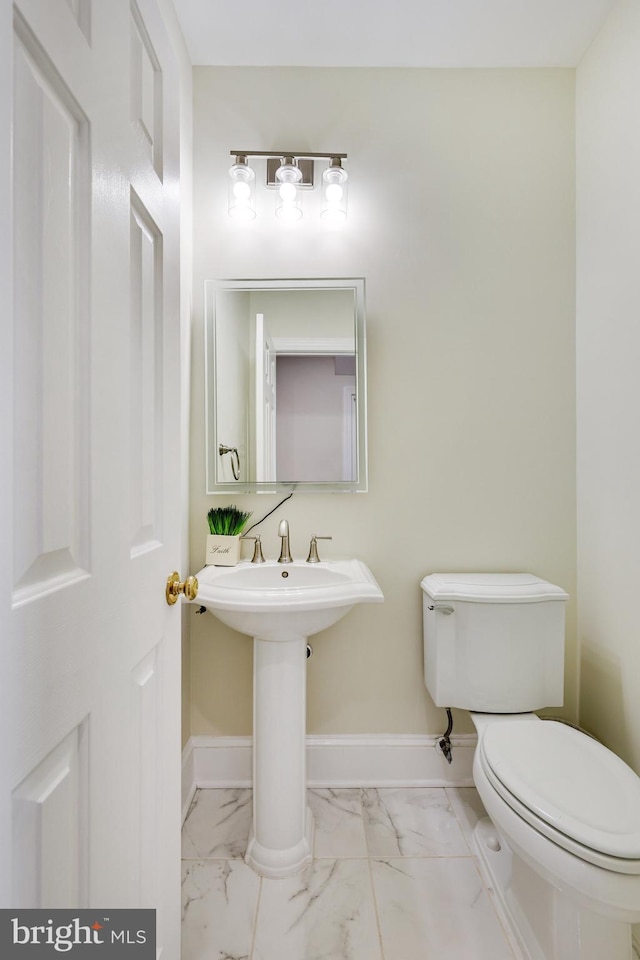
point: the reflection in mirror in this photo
(286, 398)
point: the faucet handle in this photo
(313, 548)
(257, 549)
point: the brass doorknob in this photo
(175, 587)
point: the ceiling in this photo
(380, 33)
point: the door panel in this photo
(146, 91)
(50, 826)
(145, 422)
(50, 245)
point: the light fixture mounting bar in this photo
(304, 164)
(298, 154)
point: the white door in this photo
(265, 403)
(89, 475)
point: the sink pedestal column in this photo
(281, 841)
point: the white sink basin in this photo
(275, 601)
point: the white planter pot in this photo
(222, 551)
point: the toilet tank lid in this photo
(490, 587)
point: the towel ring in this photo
(235, 459)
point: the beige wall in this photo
(462, 221)
(608, 363)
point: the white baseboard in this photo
(393, 760)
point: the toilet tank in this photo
(493, 643)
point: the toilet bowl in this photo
(562, 846)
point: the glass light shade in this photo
(242, 191)
(288, 198)
(334, 193)
(289, 171)
(289, 210)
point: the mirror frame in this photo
(212, 287)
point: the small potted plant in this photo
(223, 542)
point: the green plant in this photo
(227, 521)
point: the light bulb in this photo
(334, 193)
(288, 191)
(241, 191)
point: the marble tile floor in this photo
(393, 878)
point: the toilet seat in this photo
(567, 786)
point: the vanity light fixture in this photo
(289, 173)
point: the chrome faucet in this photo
(313, 548)
(283, 532)
(257, 549)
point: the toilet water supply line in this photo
(444, 743)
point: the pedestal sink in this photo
(280, 606)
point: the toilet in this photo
(561, 844)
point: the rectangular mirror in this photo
(286, 386)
